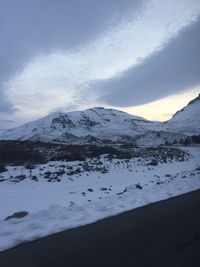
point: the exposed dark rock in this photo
(138, 186)
(154, 162)
(2, 168)
(17, 215)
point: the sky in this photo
(140, 56)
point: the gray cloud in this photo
(76, 29)
(5, 105)
(29, 27)
(173, 69)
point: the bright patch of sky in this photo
(164, 109)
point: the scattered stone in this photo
(154, 162)
(17, 215)
(2, 168)
(103, 188)
(34, 178)
(138, 186)
(90, 190)
(19, 178)
(120, 193)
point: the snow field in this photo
(86, 197)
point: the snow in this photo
(57, 206)
(98, 122)
(108, 124)
(188, 119)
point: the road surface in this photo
(166, 233)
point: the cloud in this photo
(31, 28)
(62, 77)
(5, 105)
(174, 68)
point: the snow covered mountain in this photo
(100, 125)
(187, 120)
(92, 125)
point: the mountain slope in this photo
(81, 126)
(187, 120)
(100, 125)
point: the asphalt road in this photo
(166, 233)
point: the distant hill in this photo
(100, 125)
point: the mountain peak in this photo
(105, 109)
(187, 120)
(105, 124)
(99, 108)
(194, 100)
(98, 122)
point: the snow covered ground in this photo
(58, 203)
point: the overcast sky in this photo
(75, 54)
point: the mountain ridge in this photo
(98, 124)
(189, 103)
(187, 120)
